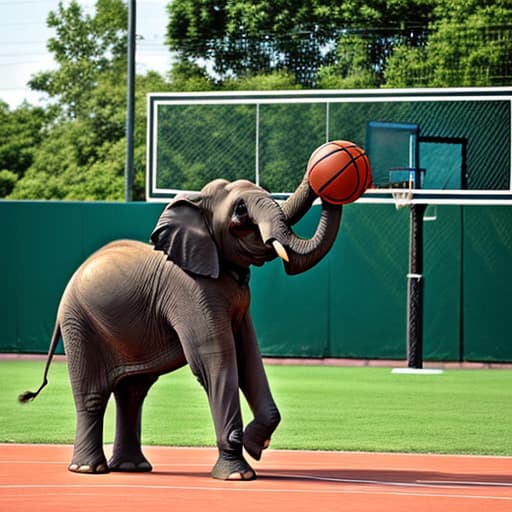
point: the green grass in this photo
(331, 408)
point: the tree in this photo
(239, 38)
(469, 44)
(85, 48)
(75, 147)
(7, 181)
(83, 153)
(83, 159)
(21, 130)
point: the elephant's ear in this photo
(183, 234)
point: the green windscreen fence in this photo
(44, 242)
(353, 304)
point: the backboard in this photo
(453, 145)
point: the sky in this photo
(24, 34)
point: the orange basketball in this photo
(339, 171)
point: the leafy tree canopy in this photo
(85, 48)
(237, 38)
(21, 130)
(82, 153)
(469, 44)
(74, 148)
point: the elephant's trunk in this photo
(298, 254)
(297, 205)
(304, 254)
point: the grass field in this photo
(331, 408)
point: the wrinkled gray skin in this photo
(131, 313)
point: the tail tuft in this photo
(27, 397)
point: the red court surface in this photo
(35, 478)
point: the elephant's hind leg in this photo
(88, 373)
(129, 394)
(88, 456)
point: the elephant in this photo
(134, 311)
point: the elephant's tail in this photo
(31, 395)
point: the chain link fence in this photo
(265, 143)
(444, 56)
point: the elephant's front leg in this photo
(127, 453)
(214, 364)
(254, 384)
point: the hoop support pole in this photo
(415, 288)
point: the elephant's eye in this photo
(240, 223)
(241, 209)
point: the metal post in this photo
(415, 288)
(130, 107)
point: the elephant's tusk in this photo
(281, 251)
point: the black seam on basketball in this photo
(343, 169)
(368, 173)
(348, 196)
(326, 156)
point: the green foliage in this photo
(82, 154)
(188, 77)
(469, 44)
(71, 165)
(7, 181)
(85, 47)
(349, 45)
(274, 81)
(332, 408)
(237, 38)
(20, 132)
(351, 70)
(74, 147)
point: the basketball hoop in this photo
(402, 196)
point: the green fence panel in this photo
(113, 221)
(291, 312)
(45, 242)
(48, 251)
(367, 285)
(353, 304)
(9, 270)
(442, 264)
(487, 283)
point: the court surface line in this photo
(369, 481)
(256, 490)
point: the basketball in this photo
(339, 171)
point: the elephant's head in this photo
(238, 224)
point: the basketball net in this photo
(402, 196)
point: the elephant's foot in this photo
(93, 469)
(256, 439)
(232, 467)
(129, 464)
(255, 450)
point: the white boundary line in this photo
(279, 450)
(245, 489)
(356, 486)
